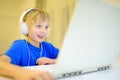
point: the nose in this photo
(42, 30)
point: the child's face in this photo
(38, 31)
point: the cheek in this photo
(47, 32)
(32, 32)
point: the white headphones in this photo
(23, 25)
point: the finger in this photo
(45, 62)
(38, 77)
(42, 61)
(32, 78)
(39, 61)
(47, 76)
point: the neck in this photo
(36, 44)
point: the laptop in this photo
(92, 42)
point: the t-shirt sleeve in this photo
(54, 52)
(14, 52)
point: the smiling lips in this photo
(41, 36)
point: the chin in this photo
(41, 41)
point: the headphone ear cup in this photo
(24, 28)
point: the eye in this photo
(46, 27)
(38, 26)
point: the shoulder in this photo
(19, 42)
(17, 47)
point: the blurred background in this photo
(61, 12)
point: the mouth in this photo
(40, 36)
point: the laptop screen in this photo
(93, 37)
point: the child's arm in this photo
(19, 73)
(5, 58)
(44, 60)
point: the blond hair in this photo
(35, 14)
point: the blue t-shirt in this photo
(23, 53)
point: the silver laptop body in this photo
(92, 42)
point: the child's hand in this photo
(32, 75)
(44, 60)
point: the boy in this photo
(33, 50)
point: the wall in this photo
(9, 25)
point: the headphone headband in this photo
(23, 15)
